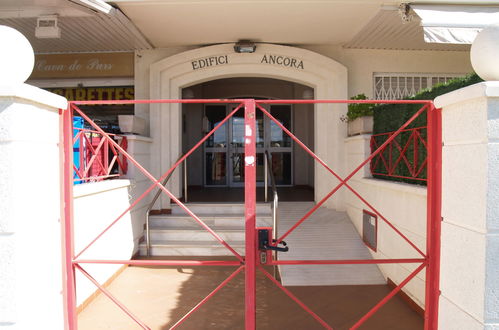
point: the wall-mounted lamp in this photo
(244, 46)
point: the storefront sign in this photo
(286, 61)
(95, 93)
(209, 61)
(83, 65)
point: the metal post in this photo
(265, 177)
(185, 180)
(434, 217)
(250, 210)
(69, 289)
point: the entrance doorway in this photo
(215, 172)
(224, 152)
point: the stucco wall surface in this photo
(96, 205)
(470, 207)
(404, 205)
(139, 147)
(30, 245)
(161, 73)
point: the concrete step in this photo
(220, 208)
(190, 248)
(217, 220)
(189, 234)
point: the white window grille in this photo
(396, 86)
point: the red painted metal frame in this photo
(94, 162)
(250, 213)
(390, 166)
(250, 263)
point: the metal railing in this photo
(155, 198)
(404, 157)
(95, 158)
(275, 200)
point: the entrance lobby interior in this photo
(215, 172)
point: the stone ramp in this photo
(325, 235)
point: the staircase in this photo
(178, 234)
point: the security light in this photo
(244, 46)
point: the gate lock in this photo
(265, 246)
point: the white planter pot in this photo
(361, 125)
(132, 124)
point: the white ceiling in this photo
(143, 24)
(82, 29)
(173, 23)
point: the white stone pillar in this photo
(30, 210)
(470, 208)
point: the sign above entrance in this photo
(281, 60)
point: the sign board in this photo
(88, 65)
(95, 93)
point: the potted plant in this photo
(359, 116)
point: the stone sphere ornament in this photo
(485, 53)
(16, 58)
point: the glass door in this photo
(216, 147)
(236, 148)
(279, 144)
(224, 150)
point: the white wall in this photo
(360, 65)
(470, 208)
(96, 205)
(139, 147)
(404, 205)
(30, 210)
(363, 63)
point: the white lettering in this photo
(95, 64)
(43, 66)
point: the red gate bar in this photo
(434, 216)
(346, 262)
(388, 297)
(294, 298)
(431, 259)
(344, 181)
(205, 299)
(250, 213)
(157, 182)
(113, 299)
(161, 262)
(68, 277)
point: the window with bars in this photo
(396, 86)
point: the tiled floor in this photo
(160, 296)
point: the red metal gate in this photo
(429, 260)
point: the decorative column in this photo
(30, 195)
(469, 278)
